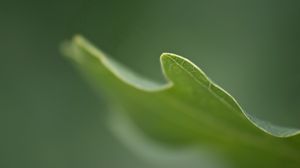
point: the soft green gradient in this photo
(189, 109)
(49, 116)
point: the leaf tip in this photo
(166, 55)
(166, 60)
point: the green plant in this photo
(188, 110)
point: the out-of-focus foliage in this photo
(49, 116)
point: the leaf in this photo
(189, 109)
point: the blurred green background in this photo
(51, 118)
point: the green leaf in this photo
(188, 110)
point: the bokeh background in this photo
(50, 117)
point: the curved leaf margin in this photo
(133, 80)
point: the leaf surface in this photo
(189, 109)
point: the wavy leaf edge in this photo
(109, 64)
